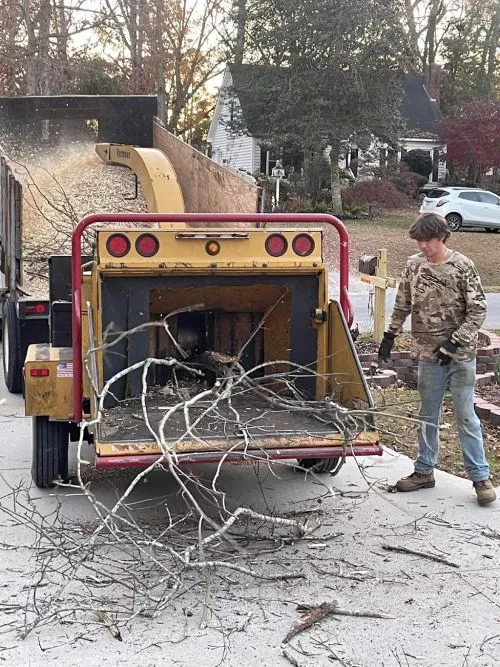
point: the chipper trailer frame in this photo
(228, 311)
(213, 286)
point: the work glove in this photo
(384, 351)
(445, 352)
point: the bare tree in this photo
(426, 23)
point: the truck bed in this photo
(126, 423)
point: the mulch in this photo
(490, 393)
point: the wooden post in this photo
(379, 296)
(373, 271)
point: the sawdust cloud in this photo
(62, 183)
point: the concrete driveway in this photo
(440, 615)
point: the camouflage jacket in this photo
(445, 300)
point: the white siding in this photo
(238, 151)
(256, 156)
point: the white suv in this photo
(464, 207)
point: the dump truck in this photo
(207, 336)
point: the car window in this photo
(470, 196)
(488, 198)
(437, 193)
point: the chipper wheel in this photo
(332, 466)
(11, 348)
(50, 451)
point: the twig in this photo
(310, 617)
(422, 554)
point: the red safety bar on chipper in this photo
(211, 218)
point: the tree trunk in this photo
(160, 66)
(44, 64)
(31, 54)
(492, 50)
(133, 29)
(241, 15)
(335, 181)
(61, 83)
(430, 36)
(412, 30)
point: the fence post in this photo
(379, 315)
(373, 271)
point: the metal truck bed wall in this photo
(24, 320)
(10, 227)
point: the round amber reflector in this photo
(303, 245)
(276, 245)
(118, 245)
(147, 245)
(212, 248)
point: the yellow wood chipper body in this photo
(206, 337)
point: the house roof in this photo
(420, 112)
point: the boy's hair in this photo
(429, 226)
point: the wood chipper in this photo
(192, 333)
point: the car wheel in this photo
(454, 221)
(493, 230)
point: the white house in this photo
(420, 109)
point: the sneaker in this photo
(416, 481)
(485, 492)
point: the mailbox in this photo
(368, 264)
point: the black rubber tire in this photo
(11, 348)
(493, 230)
(50, 451)
(332, 465)
(454, 221)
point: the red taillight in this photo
(118, 245)
(276, 245)
(441, 202)
(147, 245)
(38, 309)
(303, 245)
(39, 372)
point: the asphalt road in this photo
(440, 615)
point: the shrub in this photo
(419, 162)
(421, 180)
(400, 176)
(376, 191)
(356, 210)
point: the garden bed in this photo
(399, 431)
(398, 398)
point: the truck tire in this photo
(332, 465)
(50, 451)
(11, 348)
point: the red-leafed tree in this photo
(472, 138)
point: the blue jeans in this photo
(432, 382)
